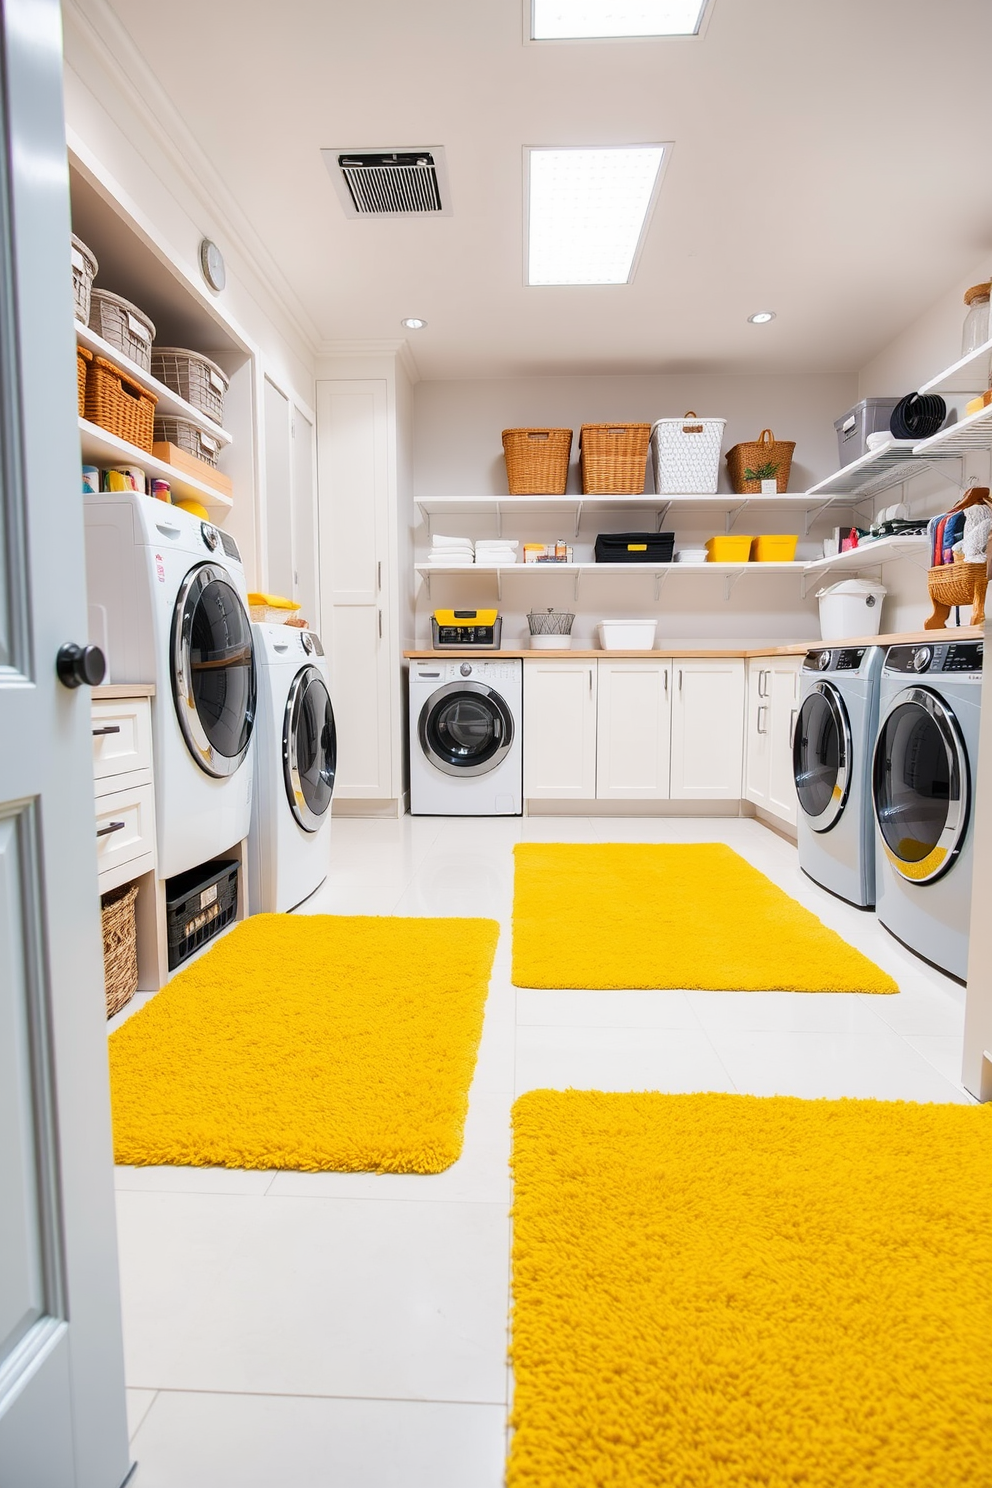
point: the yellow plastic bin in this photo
(732, 549)
(775, 547)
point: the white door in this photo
(784, 688)
(62, 1420)
(757, 732)
(560, 730)
(352, 496)
(305, 543)
(279, 544)
(633, 736)
(708, 730)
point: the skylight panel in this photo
(566, 20)
(588, 210)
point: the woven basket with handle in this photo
(761, 459)
(614, 457)
(959, 583)
(537, 461)
(120, 406)
(83, 359)
(120, 947)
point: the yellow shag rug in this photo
(317, 1042)
(692, 915)
(721, 1291)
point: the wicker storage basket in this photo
(537, 461)
(83, 358)
(123, 325)
(188, 437)
(84, 267)
(764, 458)
(613, 458)
(119, 405)
(686, 455)
(956, 584)
(194, 377)
(120, 947)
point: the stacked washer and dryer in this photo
(169, 604)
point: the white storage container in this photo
(685, 454)
(550, 642)
(627, 635)
(850, 608)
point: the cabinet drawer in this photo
(122, 736)
(125, 826)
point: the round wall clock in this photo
(212, 265)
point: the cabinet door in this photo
(560, 730)
(756, 732)
(708, 730)
(633, 734)
(784, 711)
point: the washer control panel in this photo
(486, 672)
(836, 659)
(962, 659)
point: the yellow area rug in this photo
(691, 915)
(318, 1042)
(721, 1291)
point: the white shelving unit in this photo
(970, 374)
(98, 447)
(169, 402)
(971, 433)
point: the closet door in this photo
(633, 736)
(560, 730)
(708, 730)
(352, 497)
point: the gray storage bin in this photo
(870, 416)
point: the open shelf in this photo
(169, 403)
(871, 554)
(971, 433)
(970, 374)
(100, 448)
(872, 473)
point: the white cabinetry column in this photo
(560, 730)
(634, 730)
(707, 730)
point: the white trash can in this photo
(851, 608)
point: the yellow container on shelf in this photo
(774, 547)
(729, 549)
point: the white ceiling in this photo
(829, 164)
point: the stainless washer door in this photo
(465, 729)
(920, 785)
(309, 749)
(821, 757)
(213, 670)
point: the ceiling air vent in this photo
(390, 183)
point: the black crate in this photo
(199, 904)
(635, 547)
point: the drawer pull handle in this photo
(108, 728)
(112, 827)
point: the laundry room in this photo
(496, 943)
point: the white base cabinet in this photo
(708, 730)
(633, 731)
(560, 730)
(772, 709)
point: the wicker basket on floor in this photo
(123, 325)
(84, 267)
(120, 947)
(119, 405)
(956, 584)
(537, 461)
(188, 437)
(83, 359)
(613, 458)
(764, 458)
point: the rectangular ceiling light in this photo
(588, 212)
(569, 20)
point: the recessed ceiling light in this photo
(413, 324)
(761, 317)
(588, 210)
(567, 20)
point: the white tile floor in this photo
(349, 1331)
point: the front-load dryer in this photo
(466, 753)
(831, 762)
(295, 763)
(923, 794)
(167, 598)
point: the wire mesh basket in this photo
(550, 622)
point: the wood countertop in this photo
(108, 690)
(798, 648)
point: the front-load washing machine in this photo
(831, 762)
(466, 753)
(295, 761)
(923, 795)
(168, 601)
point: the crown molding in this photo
(399, 348)
(109, 44)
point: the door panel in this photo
(278, 505)
(352, 483)
(757, 760)
(784, 686)
(633, 742)
(560, 730)
(708, 730)
(360, 692)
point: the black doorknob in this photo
(78, 664)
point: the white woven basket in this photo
(685, 453)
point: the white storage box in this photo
(627, 635)
(685, 454)
(849, 609)
(691, 555)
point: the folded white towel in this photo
(882, 436)
(496, 542)
(450, 560)
(437, 541)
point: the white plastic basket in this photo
(685, 454)
(850, 609)
(627, 635)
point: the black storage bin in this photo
(198, 905)
(635, 547)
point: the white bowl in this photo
(627, 635)
(550, 642)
